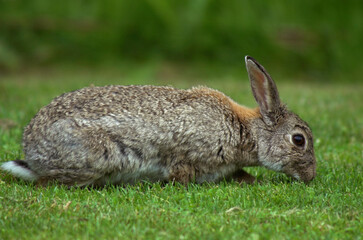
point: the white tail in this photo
(19, 170)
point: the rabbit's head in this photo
(285, 142)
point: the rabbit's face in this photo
(288, 147)
(285, 142)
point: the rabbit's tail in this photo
(20, 168)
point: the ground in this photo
(330, 207)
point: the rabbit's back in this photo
(161, 109)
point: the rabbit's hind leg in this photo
(67, 177)
(70, 155)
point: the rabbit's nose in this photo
(312, 175)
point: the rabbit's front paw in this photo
(242, 176)
(182, 173)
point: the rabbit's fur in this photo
(124, 134)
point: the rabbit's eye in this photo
(298, 140)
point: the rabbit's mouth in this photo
(302, 172)
(306, 176)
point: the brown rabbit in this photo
(124, 134)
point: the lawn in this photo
(330, 207)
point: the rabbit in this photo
(125, 134)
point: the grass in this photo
(328, 208)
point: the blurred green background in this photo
(312, 40)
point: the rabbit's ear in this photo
(264, 90)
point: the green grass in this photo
(330, 207)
